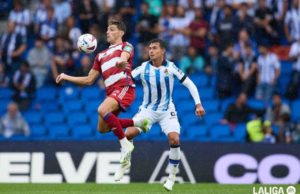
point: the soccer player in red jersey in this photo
(118, 82)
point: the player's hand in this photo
(60, 78)
(199, 110)
(123, 64)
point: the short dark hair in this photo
(161, 43)
(120, 24)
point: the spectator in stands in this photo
(179, 41)
(49, 27)
(88, 12)
(21, 17)
(39, 59)
(217, 13)
(289, 131)
(23, 86)
(294, 84)
(191, 62)
(239, 112)
(61, 60)
(12, 123)
(197, 31)
(255, 130)
(62, 10)
(195, 4)
(268, 67)
(71, 32)
(278, 108)
(4, 79)
(212, 60)
(85, 66)
(155, 7)
(264, 21)
(291, 22)
(269, 136)
(243, 20)
(225, 28)
(40, 14)
(12, 46)
(126, 9)
(225, 69)
(147, 27)
(247, 70)
(239, 47)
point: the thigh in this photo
(169, 122)
(107, 106)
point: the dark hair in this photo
(161, 43)
(120, 24)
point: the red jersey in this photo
(105, 63)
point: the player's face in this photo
(113, 34)
(155, 51)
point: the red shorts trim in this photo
(124, 96)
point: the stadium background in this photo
(63, 118)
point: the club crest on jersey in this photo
(166, 71)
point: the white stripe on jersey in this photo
(109, 64)
(114, 78)
(158, 84)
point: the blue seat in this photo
(195, 132)
(33, 117)
(257, 104)
(206, 93)
(185, 106)
(74, 119)
(154, 132)
(72, 106)
(296, 110)
(240, 132)
(286, 67)
(49, 106)
(3, 105)
(46, 94)
(83, 131)
(54, 118)
(220, 131)
(200, 79)
(212, 118)
(187, 119)
(68, 93)
(181, 93)
(38, 131)
(226, 102)
(60, 131)
(211, 106)
(91, 93)
(92, 106)
(5, 93)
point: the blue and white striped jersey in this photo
(158, 83)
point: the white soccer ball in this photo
(87, 43)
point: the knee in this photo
(101, 112)
(174, 140)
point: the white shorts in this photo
(167, 120)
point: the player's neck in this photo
(119, 41)
(157, 62)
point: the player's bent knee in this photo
(174, 141)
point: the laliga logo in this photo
(274, 190)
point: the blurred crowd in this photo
(229, 40)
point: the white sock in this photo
(174, 159)
(123, 141)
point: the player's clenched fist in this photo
(60, 78)
(199, 110)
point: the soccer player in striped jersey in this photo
(157, 76)
(118, 85)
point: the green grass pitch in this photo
(133, 188)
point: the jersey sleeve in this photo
(97, 63)
(136, 73)
(177, 72)
(127, 47)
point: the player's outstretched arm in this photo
(199, 111)
(86, 80)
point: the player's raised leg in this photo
(105, 111)
(174, 159)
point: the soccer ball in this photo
(87, 43)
